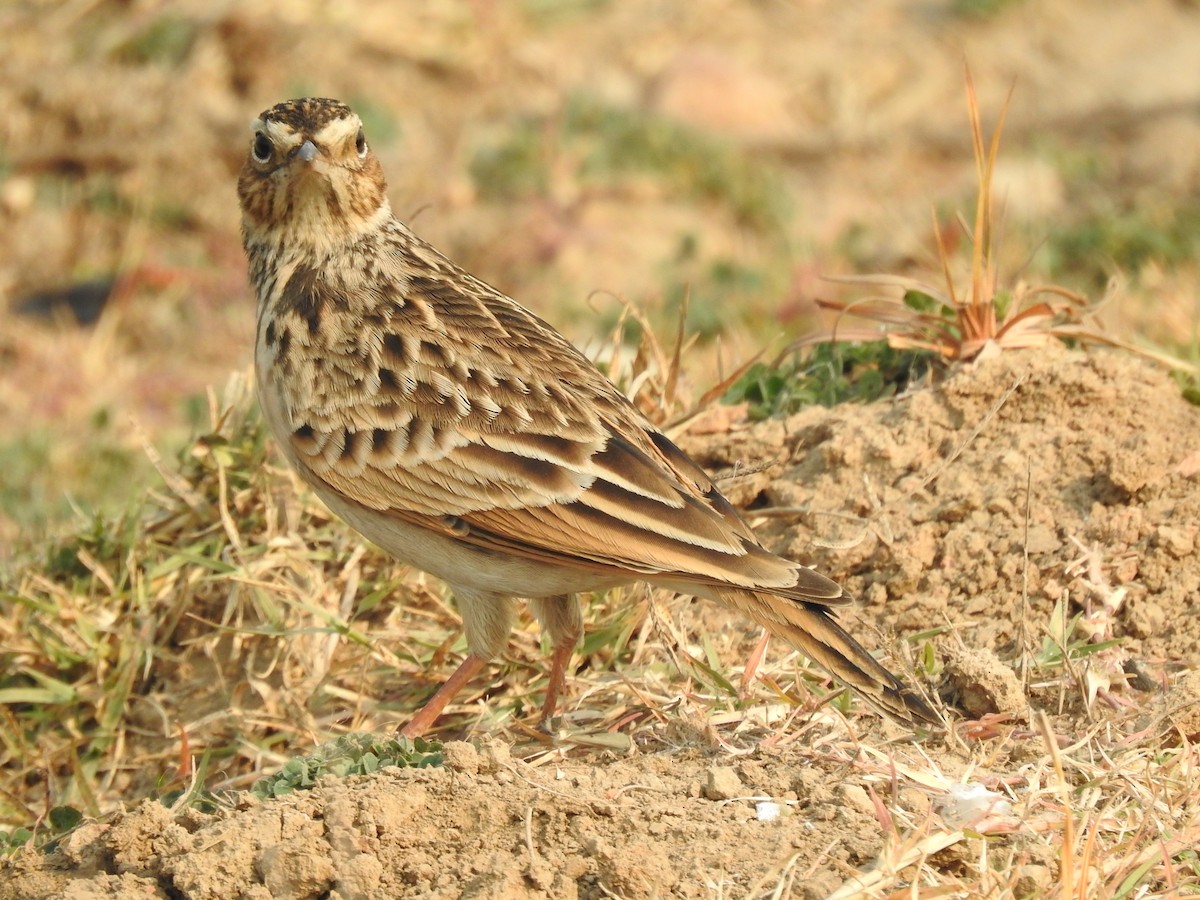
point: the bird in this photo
(468, 438)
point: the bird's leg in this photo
(563, 620)
(487, 621)
(558, 676)
(428, 713)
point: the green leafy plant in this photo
(828, 374)
(1064, 642)
(59, 820)
(351, 754)
(15, 839)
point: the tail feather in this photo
(812, 629)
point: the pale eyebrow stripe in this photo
(281, 135)
(339, 130)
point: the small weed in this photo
(1064, 641)
(1081, 649)
(830, 374)
(547, 12)
(350, 754)
(725, 285)
(167, 40)
(514, 167)
(981, 9)
(378, 121)
(15, 839)
(927, 661)
(59, 820)
(1189, 386)
(958, 323)
(617, 141)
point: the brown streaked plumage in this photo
(466, 436)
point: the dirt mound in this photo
(486, 826)
(1027, 479)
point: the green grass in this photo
(552, 12)
(982, 9)
(49, 479)
(1111, 239)
(617, 141)
(724, 294)
(721, 295)
(165, 40)
(1189, 386)
(514, 166)
(107, 605)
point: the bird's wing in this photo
(459, 411)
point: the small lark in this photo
(467, 437)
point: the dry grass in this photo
(227, 625)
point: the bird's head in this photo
(310, 180)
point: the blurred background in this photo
(577, 154)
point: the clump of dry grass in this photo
(146, 643)
(957, 324)
(227, 624)
(1097, 815)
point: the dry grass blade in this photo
(953, 325)
(900, 855)
(979, 313)
(959, 325)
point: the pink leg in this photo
(558, 677)
(428, 713)
(563, 620)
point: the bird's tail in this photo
(812, 629)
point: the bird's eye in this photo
(261, 149)
(360, 144)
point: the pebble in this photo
(722, 783)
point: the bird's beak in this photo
(306, 152)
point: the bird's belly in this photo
(464, 565)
